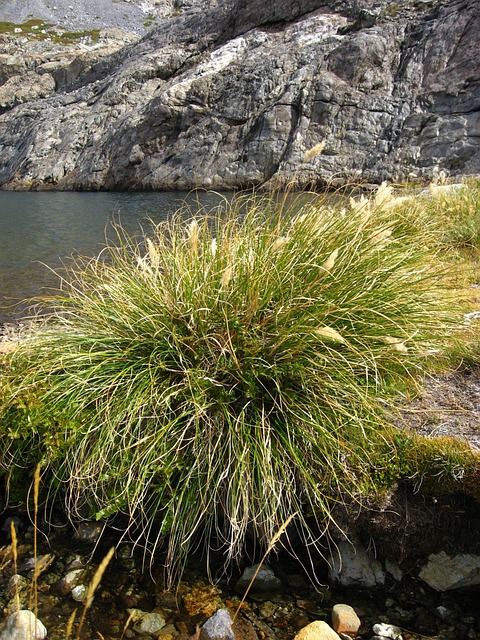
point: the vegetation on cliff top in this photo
(40, 30)
(239, 367)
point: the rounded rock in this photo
(79, 593)
(23, 625)
(89, 532)
(345, 620)
(318, 630)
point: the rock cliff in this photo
(232, 93)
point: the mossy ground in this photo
(40, 30)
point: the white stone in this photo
(23, 625)
(444, 573)
(353, 566)
(387, 631)
(218, 627)
(79, 593)
(394, 570)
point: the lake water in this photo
(39, 230)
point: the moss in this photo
(431, 466)
(149, 21)
(391, 10)
(32, 28)
(41, 30)
(71, 37)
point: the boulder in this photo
(445, 573)
(353, 566)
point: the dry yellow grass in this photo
(7, 347)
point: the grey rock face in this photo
(240, 92)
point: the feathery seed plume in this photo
(330, 261)
(362, 205)
(226, 276)
(314, 151)
(396, 343)
(280, 242)
(381, 237)
(153, 253)
(330, 334)
(383, 194)
(193, 234)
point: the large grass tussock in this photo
(228, 371)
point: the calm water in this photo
(39, 230)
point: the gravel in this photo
(83, 15)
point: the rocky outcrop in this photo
(242, 92)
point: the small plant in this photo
(227, 372)
(149, 21)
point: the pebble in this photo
(69, 581)
(267, 609)
(146, 623)
(75, 561)
(79, 593)
(394, 570)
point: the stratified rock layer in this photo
(238, 92)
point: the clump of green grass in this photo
(454, 209)
(228, 371)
